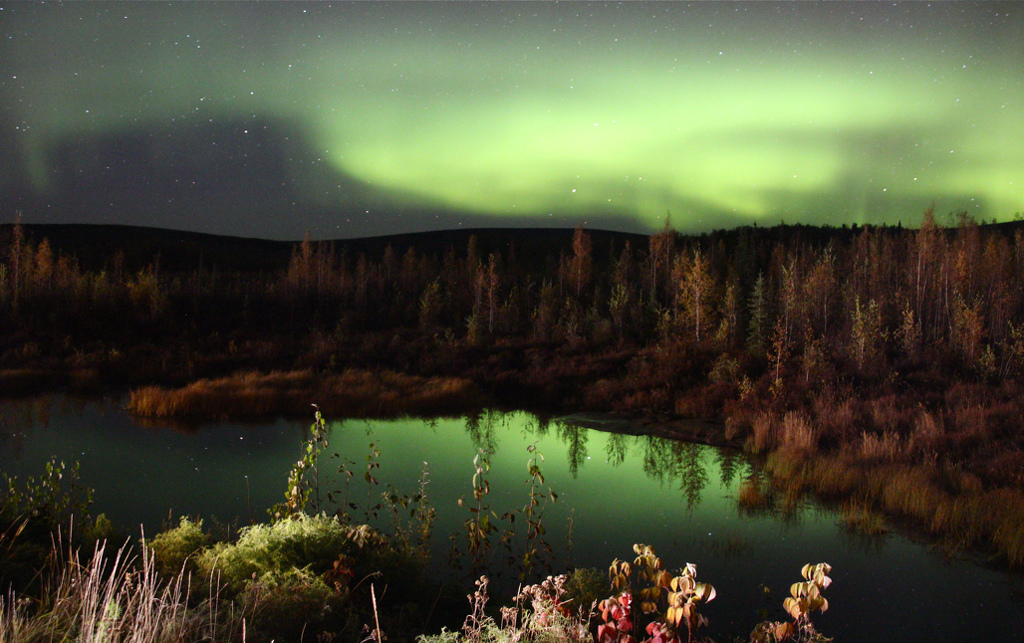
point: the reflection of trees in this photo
(684, 465)
(871, 544)
(693, 475)
(480, 427)
(729, 464)
(575, 439)
(657, 457)
(616, 448)
(681, 462)
(543, 425)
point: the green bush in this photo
(282, 605)
(302, 542)
(172, 548)
(33, 513)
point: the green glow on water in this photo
(617, 489)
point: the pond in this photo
(613, 490)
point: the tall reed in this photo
(112, 599)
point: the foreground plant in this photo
(300, 489)
(53, 498)
(113, 597)
(805, 598)
(669, 602)
(33, 512)
(479, 525)
(534, 549)
(541, 613)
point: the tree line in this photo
(803, 302)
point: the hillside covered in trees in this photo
(894, 354)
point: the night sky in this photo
(269, 119)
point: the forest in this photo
(878, 368)
(899, 324)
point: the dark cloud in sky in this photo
(353, 119)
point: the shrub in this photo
(32, 514)
(172, 548)
(667, 602)
(805, 598)
(584, 587)
(763, 433)
(313, 542)
(540, 615)
(284, 604)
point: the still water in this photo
(613, 490)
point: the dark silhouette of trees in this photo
(781, 302)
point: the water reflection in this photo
(480, 427)
(575, 440)
(729, 464)
(667, 462)
(615, 489)
(615, 448)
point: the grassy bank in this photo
(914, 477)
(352, 393)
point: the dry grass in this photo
(835, 477)
(836, 420)
(877, 471)
(110, 599)
(927, 431)
(349, 394)
(1008, 520)
(887, 447)
(858, 516)
(886, 413)
(971, 422)
(907, 490)
(751, 496)
(763, 433)
(798, 434)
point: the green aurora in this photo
(718, 113)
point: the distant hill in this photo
(95, 245)
(175, 250)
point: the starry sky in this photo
(268, 119)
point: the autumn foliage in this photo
(885, 347)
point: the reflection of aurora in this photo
(612, 502)
(681, 465)
(720, 113)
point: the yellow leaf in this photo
(674, 615)
(705, 592)
(784, 631)
(792, 607)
